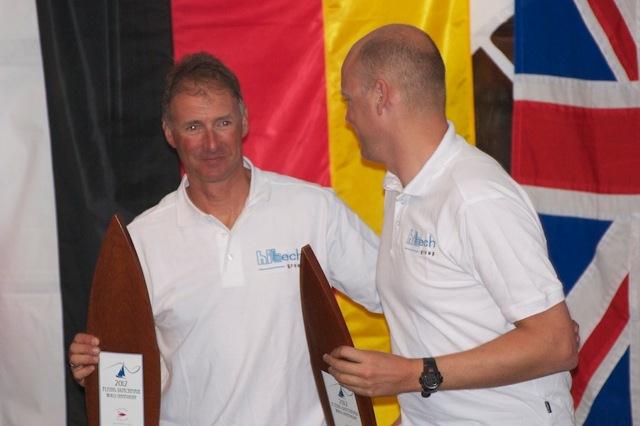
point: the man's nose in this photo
(211, 139)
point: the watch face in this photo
(430, 381)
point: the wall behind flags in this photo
(31, 353)
(80, 140)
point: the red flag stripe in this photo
(576, 148)
(599, 343)
(277, 51)
(613, 24)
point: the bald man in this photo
(479, 327)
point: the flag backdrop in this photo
(575, 142)
(576, 147)
(103, 65)
(289, 67)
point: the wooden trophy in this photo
(120, 316)
(326, 330)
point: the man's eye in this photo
(192, 127)
(225, 123)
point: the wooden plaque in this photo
(326, 330)
(120, 316)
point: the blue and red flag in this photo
(576, 148)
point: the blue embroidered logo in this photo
(424, 245)
(272, 259)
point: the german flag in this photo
(91, 74)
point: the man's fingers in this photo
(82, 360)
(83, 356)
(348, 353)
(84, 349)
(576, 330)
(341, 365)
(86, 339)
(350, 381)
(349, 367)
(81, 348)
(81, 373)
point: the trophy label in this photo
(344, 407)
(121, 390)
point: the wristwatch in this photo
(430, 379)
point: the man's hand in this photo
(372, 373)
(576, 331)
(83, 356)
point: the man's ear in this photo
(168, 134)
(381, 93)
(245, 121)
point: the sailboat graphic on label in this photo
(121, 374)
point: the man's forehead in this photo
(204, 88)
(346, 72)
(204, 99)
(349, 76)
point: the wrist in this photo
(415, 370)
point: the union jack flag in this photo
(576, 149)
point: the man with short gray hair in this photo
(221, 258)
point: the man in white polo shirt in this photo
(475, 310)
(220, 256)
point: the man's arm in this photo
(539, 345)
(352, 251)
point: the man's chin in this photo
(374, 164)
(221, 175)
(369, 159)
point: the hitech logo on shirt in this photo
(272, 259)
(423, 245)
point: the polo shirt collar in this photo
(447, 148)
(189, 214)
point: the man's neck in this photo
(224, 200)
(414, 148)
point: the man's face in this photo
(361, 113)
(206, 127)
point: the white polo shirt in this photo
(462, 257)
(226, 303)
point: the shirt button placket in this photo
(397, 220)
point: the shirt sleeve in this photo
(352, 251)
(505, 249)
